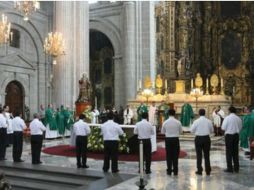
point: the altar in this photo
(128, 130)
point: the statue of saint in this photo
(85, 89)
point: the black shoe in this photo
(105, 171)
(115, 171)
(78, 166)
(208, 173)
(236, 171)
(198, 173)
(19, 160)
(228, 171)
(169, 173)
(40, 162)
(148, 172)
(3, 159)
(175, 174)
(85, 166)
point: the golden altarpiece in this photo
(214, 39)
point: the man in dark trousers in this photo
(144, 130)
(202, 128)
(36, 129)
(232, 125)
(111, 131)
(172, 128)
(3, 135)
(18, 125)
(82, 130)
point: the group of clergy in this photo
(58, 122)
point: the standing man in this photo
(128, 115)
(111, 131)
(186, 115)
(36, 128)
(18, 126)
(172, 128)
(3, 135)
(81, 130)
(8, 117)
(232, 125)
(144, 130)
(202, 128)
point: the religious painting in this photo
(231, 50)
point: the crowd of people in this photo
(231, 126)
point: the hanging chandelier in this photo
(54, 45)
(27, 7)
(5, 30)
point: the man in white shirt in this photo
(8, 117)
(81, 130)
(128, 115)
(172, 128)
(111, 131)
(232, 125)
(202, 128)
(3, 135)
(144, 130)
(18, 125)
(36, 129)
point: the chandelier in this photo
(27, 7)
(5, 30)
(54, 45)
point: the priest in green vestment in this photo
(186, 115)
(60, 120)
(247, 131)
(50, 122)
(164, 107)
(141, 109)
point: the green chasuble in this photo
(164, 108)
(50, 119)
(244, 133)
(60, 122)
(141, 109)
(186, 115)
(68, 119)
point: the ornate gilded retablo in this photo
(198, 81)
(148, 82)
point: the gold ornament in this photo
(148, 82)
(159, 81)
(198, 81)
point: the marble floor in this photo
(159, 180)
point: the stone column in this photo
(129, 56)
(72, 20)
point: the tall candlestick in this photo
(207, 82)
(221, 82)
(141, 160)
(140, 84)
(166, 84)
(191, 83)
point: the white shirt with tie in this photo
(18, 124)
(111, 131)
(81, 128)
(3, 121)
(232, 124)
(202, 126)
(37, 127)
(171, 127)
(144, 129)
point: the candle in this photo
(221, 82)
(207, 83)
(141, 161)
(191, 83)
(140, 84)
(166, 84)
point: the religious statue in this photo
(180, 63)
(159, 83)
(186, 115)
(85, 89)
(198, 81)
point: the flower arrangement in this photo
(95, 141)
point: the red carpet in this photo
(66, 150)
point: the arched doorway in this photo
(102, 69)
(14, 96)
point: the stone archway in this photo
(14, 96)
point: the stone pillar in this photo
(72, 20)
(129, 54)
(119, 88)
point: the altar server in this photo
(144, 130)
(232, 125)
(18, 125)
(172, 128)
(3, 135)
(111, 131)
(81, 130)
(202, 128)
(36, 128)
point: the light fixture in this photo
(147, 93)
(27, 7)
(196, 92)
(5, 30)
(54, 45)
